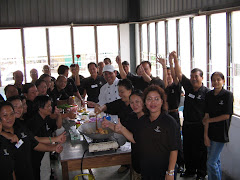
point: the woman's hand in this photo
(207, 141)
(61, 138)
(58, 148)
(118, 127)
(167, 177)
(107, 124)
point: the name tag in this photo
(20, 142)
(191, 95)
(94, 86)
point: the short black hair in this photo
(5, 103)
(26, 87)
(197, 70)
(38, 82)
(125, 63)
(107, 59)
(12, 98)
(40, 102)
(219, 74)
(62, 69)
(73, 65)
(137, 92)
(44, 75)
(148, 62)
(89, 64)
(126, 83)
(137, 67)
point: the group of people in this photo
(147, 108)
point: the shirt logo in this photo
(199, 96)
(5, 152)
(221, 102)
(157, 129)
(23, 135)
(172, 91)
(47, 128)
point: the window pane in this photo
(218, 43)
(84, 45)
(172, 35)
(199, 28)
(185, 46)
(36, 50)
(152, 48)
(60, 48)
(236, 60)
(161, 45)
(10, 55)
(107, 43)
(144, 52)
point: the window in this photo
(236, 60)
(60, 48)
(152, 50)
(184, 54)
(144, 53)
(199, 44)
(107, 43)
(84, 45)
(172, 41)
(218, 43)
(10, 55)
(36, 50)
(161, 45)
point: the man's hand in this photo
(58, 148)
(61, 138)
(161, 61)
(118, 60)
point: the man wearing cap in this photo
(109, 91)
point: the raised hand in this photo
(162, 61)
(118, 60)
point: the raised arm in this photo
(163, 63)
(178, 70)
(77, 78)
(146, 77)
(120, 66)
(173, 55)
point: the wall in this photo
(156, 9)
(230, 157)
(19, 13)
(124, 42)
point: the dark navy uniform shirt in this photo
(194, 104)
(93, 87)
(216, 106)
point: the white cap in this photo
(108, 68)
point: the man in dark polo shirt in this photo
(76, 77)
(71, 89)
(139, 82)
(195, 152)
(92, 84)
(125, 65)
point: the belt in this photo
(173, 110)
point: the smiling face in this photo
(32, 93)
(124, 93)
(217, 81)
(7, 116)
(136, 103)
(196, 80)
(146, 68)
(46, 111)
(61, 82)
(42, 88)
(154, 102)
(109, 77)
(18, 107)
(92, 69)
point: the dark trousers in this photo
(195, 152)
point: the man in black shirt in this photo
(92, 84)
(76, 77)
(18, 78)
(71, 88)
(195, 152)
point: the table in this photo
(72, 153)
